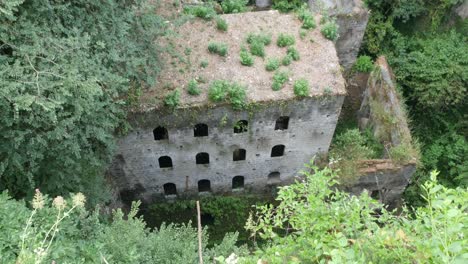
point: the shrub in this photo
(245, 58)
(193, 88)
(285, 40)
(306, 17)
(364, 64)
(302, 33)
(308, 22)
(257, 48)
(234, 6)
(292, 51)
(330, 30)
(204, 63)
(205, 12)
(272, 64)
(221, 24)
(257, 43)
(279, 79)
(221, 90)
(172, 99)
(301, 88)
(285, 6)
(286, 60)
(218, 48)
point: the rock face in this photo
(263, 3)
(352, 17)
(462, 10)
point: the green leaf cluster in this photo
(279, 79)
(257, 43)
(272, 64)
(285, 40)
(225, 91)
(234, 6)
(246, 58)
(218, 48)
(301, 88)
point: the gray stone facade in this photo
(137, 174)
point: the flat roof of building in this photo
(187, 50)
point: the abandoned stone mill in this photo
(203, 147)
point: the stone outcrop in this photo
(352, 17)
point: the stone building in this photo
(203, 147)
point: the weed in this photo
(188, 51)
(279, 79)
(193, 88)
(301, 88)
(234, 93)
(246, 58)
(364, 64)
(285, 40)
(330, 30)
(292, 51)
(264, 38)
(172, 99)
(218, 48)
(221, 24)
(234, 6)
(272, 64)
(302, 33)
(205, 12)
(286, 60)
(306, 17)
(204, 63)
(257, 48)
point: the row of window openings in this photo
(201, 130)
(204, 158)
(205, 185)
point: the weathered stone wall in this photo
(351, 17)
(136, 174)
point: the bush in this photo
(233, 93)
(285, 6)
(272, 64)
(257, 43)
(364, 64)
(286, 60)
(293, 53)
(257, 48)
(279, 79)
(330, 30)
(221, 24)
(193, 88)
(245, 58)
(218, 48)
(285, 40)
(234, 6)
(172, 99)
(204, 63)
(301, 88)
(205, 12)
(306, 17)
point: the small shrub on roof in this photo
(293, 53)
(218, 48)
(257, 48)
(172, 99)
(221, 24)
(205, 12)
(306, 17)
(264, 38)
(286, 60)
(193, 88)
(272, 64)
(234, 6)
(221, 90)
(301, 88)
(285, 40)
(246, 58)
(330, 30)
(279, 79)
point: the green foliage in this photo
(218, 48)
(204, 63)
(272, 64)
(279, 79)
(285, 6)
(234, 6)
(62, 231)
(193, 88)
(286, 60)
(235, 94)
(330, 30)
(285, 40)
(257, 43)
(364, 64)
(65, 70)
(205, 11)
(330, 226)
(246, 58)
(434, 72)
(307, 18)
(301, 88)
(221, 24)
(172, 99)
(293, 53)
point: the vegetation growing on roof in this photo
(205, 11)
(246, 58)
(272, 64)
(330, 30)
(279, 79)
(257, 43)
(192, 87)
(221, 24)
(286, 60)
(218, 48)
(172, 99)
(285, 40)
(364, 64)
(225, 91)
(301, 88)
(293, 53)
(234, 6)
(307, 18)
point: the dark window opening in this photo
(238, 182)
(204, 186)
(238, 154)
(277, 151)
(282, 123)
(165, 162)
(241, 126)
(202, 158)
(200, 130)
(274, 178)
(375, 194)
(170, 189)
(160, 133)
